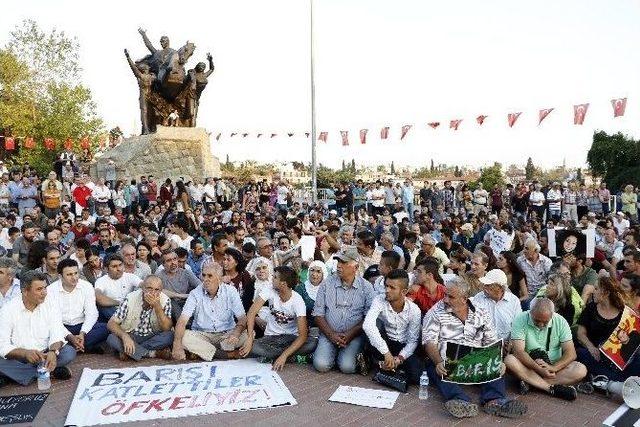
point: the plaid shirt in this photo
(144, 328)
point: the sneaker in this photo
(600, 382)
(61, 373)
(461, 408)
(362, 365)
(523, 388)
(565, 392)
(505, 408)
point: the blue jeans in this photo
(24, 372)
(105, 313)
(408, 207)
(488, 391)
(96, 336)
(324, 358)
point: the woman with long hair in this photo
(143, 254)
(516, 279)
(559, 290)
(92, 269)
(234, 273)
(183, 203)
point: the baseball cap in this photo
(347, 254)
(494, 276)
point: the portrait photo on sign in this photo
(624, 341)
(571, 241)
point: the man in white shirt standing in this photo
(480, 196)
(76, 300)
(377, 199)
(32, 333)
(392, 326)
(112, 288)
(9, 285)
(497, 300)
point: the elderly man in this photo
(339, 310)
(543, 352)
(497, 300)
(177, 282)
(534, 265)
(215, 308)
(429, 249)
(32, 333)
(9, 285)
(76, 300)
(112, 288)
(141, 327)
(367, 254)
(133, 265)
(456, 319)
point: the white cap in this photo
(494, 276)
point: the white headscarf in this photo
(312, 290)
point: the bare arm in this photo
(251, 321)
(568, 356)
(211, 67)
(146, 41)
(105, 301)
(132, 65)
(524, 292)
(164, 320)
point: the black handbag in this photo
(396, 380)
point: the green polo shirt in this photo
(524, 329)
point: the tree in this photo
(615, 158)
(432, 169)
(579, 175)
(343, 167)
(353, 165)
(456, 172)
(40, 93)
(491, 176)
(529, 170)
(393, 169)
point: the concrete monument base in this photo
(170, 152)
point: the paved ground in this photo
(312, 391)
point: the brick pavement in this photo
(312, 391)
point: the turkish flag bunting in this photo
(9, 143)
(323, 136)
(434, 124)
(259, 135)
(454, 124)
(404, 131)
(384, 132)
(84, 143)
(542, 114)
(306, 134)
(29, 143)
(480, 119)
(234, 134)
(619, 105)
(244, 135)
(363, 136)
(345, 137)
(49, 143)
(579, 112)
(68, 144)
(512, 117)
(218, 136)
(273, 135)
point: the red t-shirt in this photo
(81, 194)
(425, 301)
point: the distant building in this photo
(293, 175)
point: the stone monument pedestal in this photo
(170, 152)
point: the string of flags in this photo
(50, 144)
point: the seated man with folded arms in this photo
(286, 332)
(76, 300)
(141, 327)
(543, 352)
(394, 342)
(215, 307)
(32, 332)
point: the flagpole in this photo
(314, 171)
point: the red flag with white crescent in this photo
(273, 135)
(323, 136)
(306, 134)
(579, 113)
(345, 137)
(49, 144)
(68, 144)
(512, 117)
(454, 124)
(542, 114)
(384, 132)
(404, 131)
(9, 143)
(480, 119)
(84, 143)
(619, 106)
(363, 136)
(29, 143)
(434, 124)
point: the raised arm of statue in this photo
(211, 67)
(133, 66)
(146, 40)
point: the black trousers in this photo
(412, 366)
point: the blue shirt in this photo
(14, 188)
(12, 292)
(359, 196)
(213, 314)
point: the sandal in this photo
(461, 408)
(508, 409)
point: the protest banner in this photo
(21, 408)
(365, 397)
(106, 396)
(472, 365)
(624, 341)
(562, 241)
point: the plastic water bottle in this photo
(423, 394)
(44, 379)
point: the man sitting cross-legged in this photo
(141, 326)
(286, 332)
(395, 341)
(543, 351)
(214, 333)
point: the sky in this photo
(377, 63)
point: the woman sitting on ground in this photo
(559, 290)
(516, 279)
(233, 265)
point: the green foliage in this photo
(491, 176)
(615, 158)
(393, 169)
(327, 176)
(40, 95)
(529, 170)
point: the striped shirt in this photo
(441, 325)
(343, 307)
(536, 274)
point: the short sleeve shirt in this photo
(283, 316)
(118, 289)
(524, 329)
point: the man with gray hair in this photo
(543, 352)
(497, 300)
(455, 319)
(534, 265)
(9, 285)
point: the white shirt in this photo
(77, 306)
(118, 289)
(402, 327)
(377, 196)
(283, 316)
(621, 226)
(503, 312)
(12, 292)
(536, 198)
(185, 244)
(554, 195)
(209, 191)
(101, 193)
(282, 194)
(30, 330)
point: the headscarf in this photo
(312, 290)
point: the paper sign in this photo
(562, 241)
(21, 408)
(371, 398)
(624, 340)
(472, 365)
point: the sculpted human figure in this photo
(145, 82)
